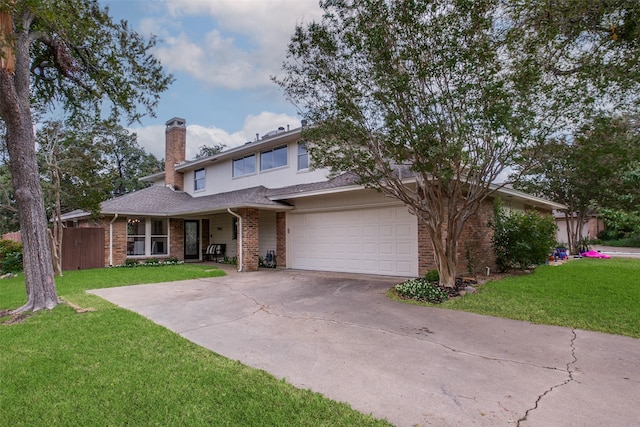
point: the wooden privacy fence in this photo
(82, 248)
(15, 236)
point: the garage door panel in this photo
(379, 240)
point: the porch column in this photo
(281, 239)
(250, 233)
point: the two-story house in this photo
(265, 196)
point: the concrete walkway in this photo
(341, 336)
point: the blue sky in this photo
(222, 54)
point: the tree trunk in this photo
(445, 253)
(15, 110)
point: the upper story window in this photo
(273, 158)
(244, 166)
(198, 180)
(303, 157)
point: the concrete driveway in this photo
(339, 335)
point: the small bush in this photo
(432, 276)
(10, 256)
(12, 263)
(521, 239)
(421, 290)
(150, 262)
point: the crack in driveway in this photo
(555, 387)
(269, 310)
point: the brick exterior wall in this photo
(119, 235)
(175, 144)
(250, 238)
(176, 238)
(475, 251)
(426, 254)
(281, 239)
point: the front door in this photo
(191, 239)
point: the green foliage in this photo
(131, 262)
(620, 224)
(82, 58)
(589, 171)
(10, 256)
(432, 90)
(432, 276)
(149, 262)
(209, 150)
(8, 211)
(521, 239)
(421, 290)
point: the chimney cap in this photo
(176, 122)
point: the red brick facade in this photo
(118, 232)
(176, 140)
(176, 238)
(250, 238)
(475, 251)
(281, 239)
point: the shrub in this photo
(150, 262)
(521, 239)
(421, 290)
(131, 262)
(10, 256)
(432, 276)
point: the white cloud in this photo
(151, 138)
(246, 46)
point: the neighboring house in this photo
(263, 196)
(589, 230)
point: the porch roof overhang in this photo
(159, 201)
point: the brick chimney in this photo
(175, 146)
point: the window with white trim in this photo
(274, 158)
(147, 236)
(244, 166)
(198, 180)
(303, 156)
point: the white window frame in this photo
(150, 240)
(244, 160)
(200, 180)
(271, 152)
(303, 154)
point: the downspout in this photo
(239, 238)
(111, 239)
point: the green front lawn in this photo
(594, 294)
(113, 367)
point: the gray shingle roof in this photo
(163, 201)
(344, 180)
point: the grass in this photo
(113, 367)
(631, 242)
(592, 294)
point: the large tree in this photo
(446, 93)
(417, 90)
(69, 54)
(125, 161)
(592, 170)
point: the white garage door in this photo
(380, 240)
